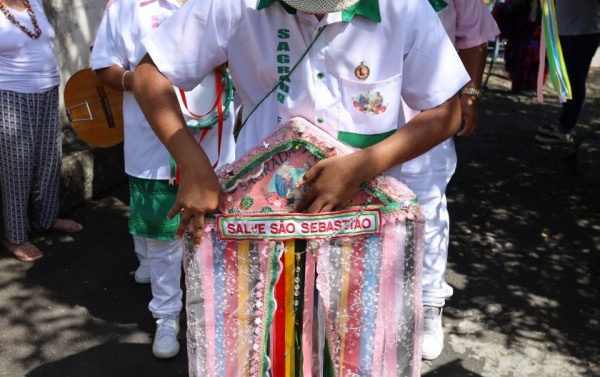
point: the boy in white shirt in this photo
(342, 49)
(117, 51)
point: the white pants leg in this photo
(164, 259)
(139, 246)
(428, 176)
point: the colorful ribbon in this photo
(219, 106)
(294, 307)
(550, 47)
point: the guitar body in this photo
(95, 111)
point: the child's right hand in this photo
(199, 194)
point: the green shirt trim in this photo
(438, 5)
(366, 8)
(360, 140)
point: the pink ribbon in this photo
(308, 313)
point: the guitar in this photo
(94, 110)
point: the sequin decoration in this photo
(247, 202)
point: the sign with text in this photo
(287, 226)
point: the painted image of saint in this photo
(294, 196)
(285, 181)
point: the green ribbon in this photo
(438, 5)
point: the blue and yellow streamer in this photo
(556, 63)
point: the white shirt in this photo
(408, 53)
(27, 65)
(117, 42)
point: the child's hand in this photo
(333, 183)
(199, 194)
(470, 116)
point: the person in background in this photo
(30, 137)
(521, 28)
(116, 52)
(579, 33)
(470, 26)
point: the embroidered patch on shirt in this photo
(370, 103)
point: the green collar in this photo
(438, 5)
(366, 8)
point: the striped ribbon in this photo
(550, 47)
(254, 316)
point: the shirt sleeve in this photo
(474, 24)
(188, 45)
(432, 71)
(107, 49)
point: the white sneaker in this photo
(142, 275)
(165, 343)
(433, 332)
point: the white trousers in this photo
(428, 176)
(163, 258)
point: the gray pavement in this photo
(525, 264)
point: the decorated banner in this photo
(550, 48)
(271, 292)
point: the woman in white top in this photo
(30, 142)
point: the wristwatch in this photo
(477, 93)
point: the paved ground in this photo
(525, 264)
(525, 248)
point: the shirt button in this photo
(320, 120)
(320, 75)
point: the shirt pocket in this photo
(370, 111)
